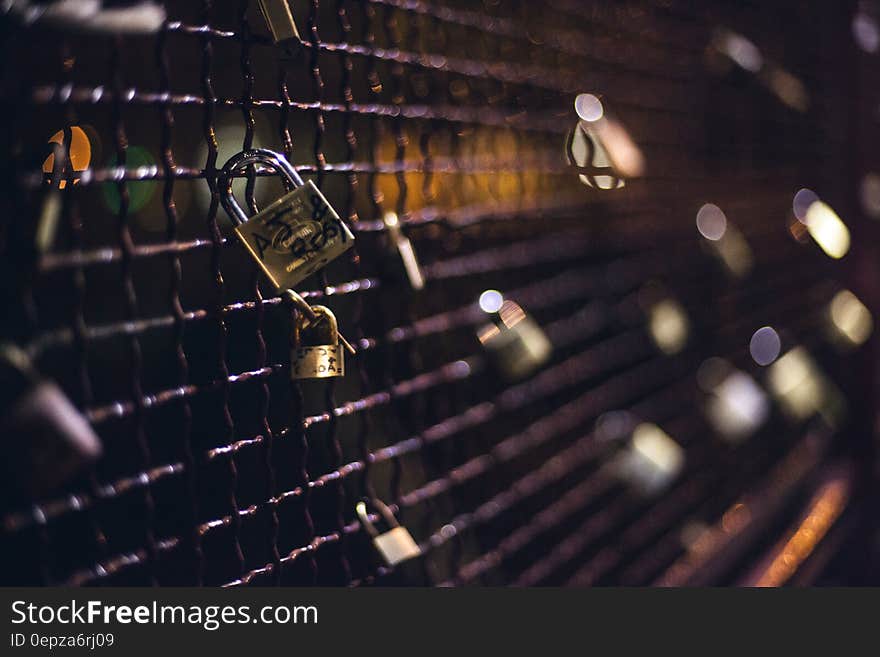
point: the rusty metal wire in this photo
(218, 469)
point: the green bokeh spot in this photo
(139, 191)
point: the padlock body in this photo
(317, 362)
(295, 236)
(46, 440)
(396, 546)
(517, 351)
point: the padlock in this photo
(46, 439)
(279, 20)
(294, 236)
(600, 148)
(802, 389)
(94, 16)
(395, 545)
(514, 343)
(400, 243)
(735, 404)
(650, 462)
(317, 354)
(724, 241)
(848, 322)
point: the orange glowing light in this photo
(80, 152)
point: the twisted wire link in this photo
(350, 212)
(265, 400)
(331, 434)
(191, 466)
(222, 366)
(135, 354)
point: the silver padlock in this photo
(650, 462)
(514, 343)
(46, 440)
(735, 404)
(279, 20)
(401, 243)
(600, 148)
(294, 236)
(395, 545)
(318, 353)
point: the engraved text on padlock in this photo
(318, 354)
(295, 236)
(318, 362)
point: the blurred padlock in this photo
(668, 323)
(402, 252)
(735, 404)
(650, 462)
(724, 241)
(600, 148)
(395, 545)
(46, 439)
(802, 390)
(514, 343)
(848, 322)
(91, 16)
(317, 354)
(279, 20)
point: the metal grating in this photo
(218, 471)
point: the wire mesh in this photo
(218, 470)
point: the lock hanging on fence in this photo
(317, 354)
(294, 236)
(402, 253)
(46, 439)
(396, 545)
(515, 344)
(279, 20)
(600, 148)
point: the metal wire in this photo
(165, 336)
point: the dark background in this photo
(218, 470)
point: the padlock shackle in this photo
(320, 314)
(237, 163)
(364, 516)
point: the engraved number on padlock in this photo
(317, 354)
(295, 235)
(395, 545)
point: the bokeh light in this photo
(491, 301)
(765, 345)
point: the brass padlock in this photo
(395, 545)
(318, 353)
(294, 236)
(515, 344)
